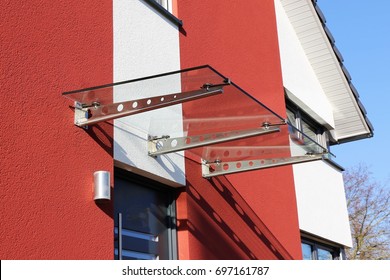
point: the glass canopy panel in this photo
(259, 152)
(220, 122)
(191, 79)
(131, 97)
(274, 145)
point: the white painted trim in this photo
(322, 209)
(145, 44)
(299, 79)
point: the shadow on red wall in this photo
(221, 224)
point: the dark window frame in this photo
(301, 118)
(336, 251)
(152, 184)
(156, 6)
(323, 137)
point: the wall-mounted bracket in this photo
(211, 169)
(86, 114)
(163, 145)
(80, 113)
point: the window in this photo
(314, 250)
(307, 251)
(165, 8)
(303, 122)
(166, 4)
(324, 254)
(144, 218)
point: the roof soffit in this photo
(326, 60)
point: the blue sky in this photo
(361, 29)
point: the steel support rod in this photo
(223, 168)
(102, 112)
(170, 145)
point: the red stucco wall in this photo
(47, 164)
(250, 215)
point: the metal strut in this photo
(211, 169)
(164, 145)
(87, 114)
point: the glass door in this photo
(144, 219)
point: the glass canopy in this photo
(220, 123)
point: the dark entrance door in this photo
(144, 218)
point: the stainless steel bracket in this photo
(90, 114)
(211, 169)
(80, 114)
(165, 144)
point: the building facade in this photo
(250, 97)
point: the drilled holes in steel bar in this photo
(223, 168)
(163, 145)
(121, 109)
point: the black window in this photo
(144, 218)
(311, 129)
(164, 7)
(165, 3)
(316, 250)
